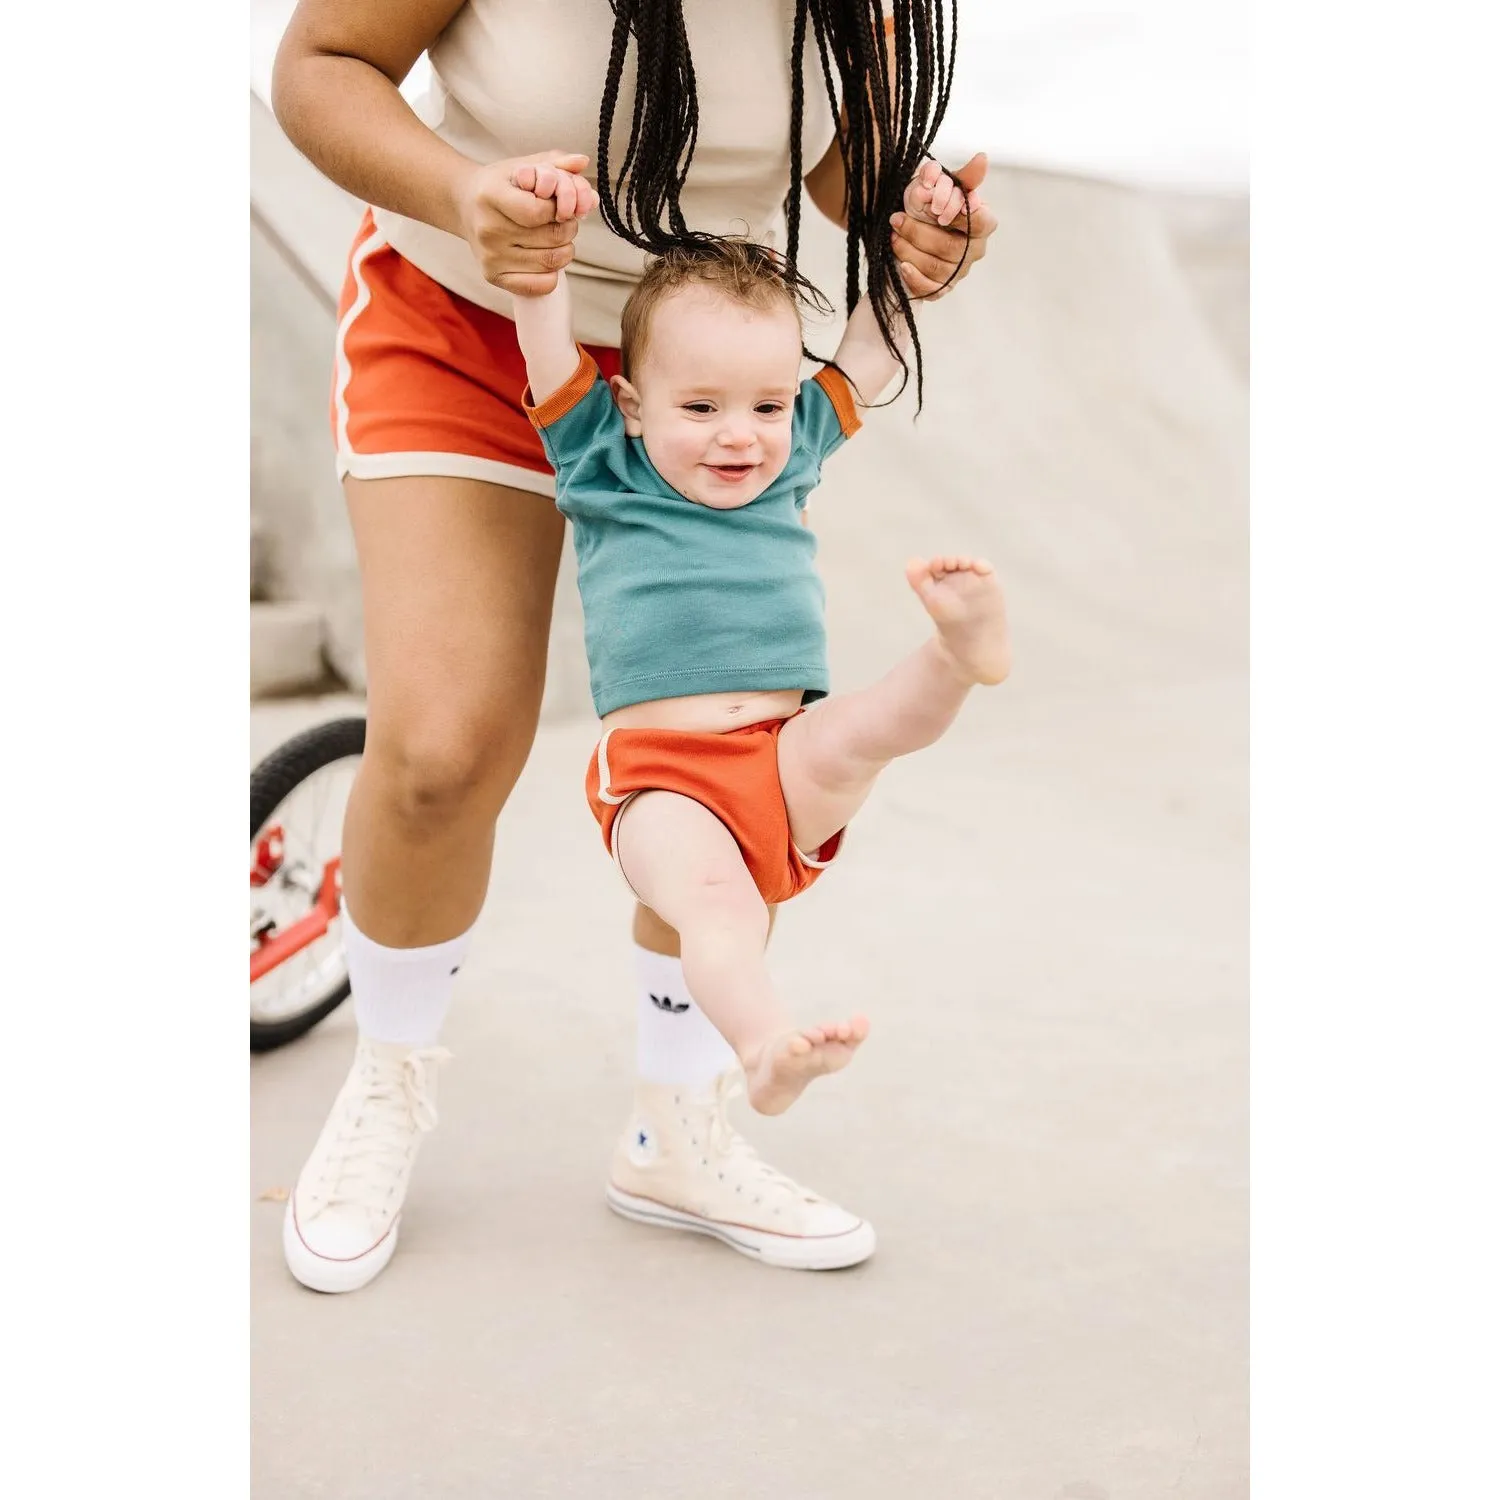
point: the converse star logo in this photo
(642, 1145)
(665, 1002)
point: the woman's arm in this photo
(825, 186)
(335, 91)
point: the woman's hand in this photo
(520, 239)
(944, 228)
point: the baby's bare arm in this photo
(544, 324)
(863, 356)
(931, 199)
(544, 329)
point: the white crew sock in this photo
(401, 994)
(675, 1042)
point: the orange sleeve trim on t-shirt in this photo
(839, 391)
(566, 396)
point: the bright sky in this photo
(1155, 92)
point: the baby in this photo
(725, 774)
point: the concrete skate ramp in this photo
(1044, 916)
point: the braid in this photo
(794, 193)
(893, 115)
(663, 126)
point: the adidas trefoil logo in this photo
(665, 1002)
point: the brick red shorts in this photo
(733, 775)
(427, 382)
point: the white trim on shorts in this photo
(601, 754)
(443, 465)
(823, 864)
(348, 463)
(614, 840)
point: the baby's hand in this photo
(569, 192)
(933, 197)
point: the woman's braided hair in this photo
(894, 99)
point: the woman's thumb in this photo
(972, 173)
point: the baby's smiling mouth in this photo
(731, 471)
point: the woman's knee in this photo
(438, 772)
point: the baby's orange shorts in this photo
(733, 775)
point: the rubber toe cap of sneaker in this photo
(334, 1253)
(824, 1220)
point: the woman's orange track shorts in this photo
(427, 382)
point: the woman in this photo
(449, 492)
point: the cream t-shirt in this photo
(513, 77)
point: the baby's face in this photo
(715, 391)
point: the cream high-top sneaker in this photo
(343, 1217)
(682, 1165)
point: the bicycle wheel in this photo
(298, 974)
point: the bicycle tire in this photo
(271, 782)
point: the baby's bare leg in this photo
(685, 865)
(830, 756)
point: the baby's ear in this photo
(627, 398)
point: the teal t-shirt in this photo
(680, 598)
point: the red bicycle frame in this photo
(274, 947)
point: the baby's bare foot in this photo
(788, 1063)
(964, 599)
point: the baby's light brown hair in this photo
(736, 268)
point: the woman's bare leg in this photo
(458, 579)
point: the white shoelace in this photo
(729, 1144)
(377, 1136)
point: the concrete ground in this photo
(1045, 916)
(1047, 1129)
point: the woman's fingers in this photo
(917, 284)
(935, 252)
(982, 220)
(972, 174)
(522, 284)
